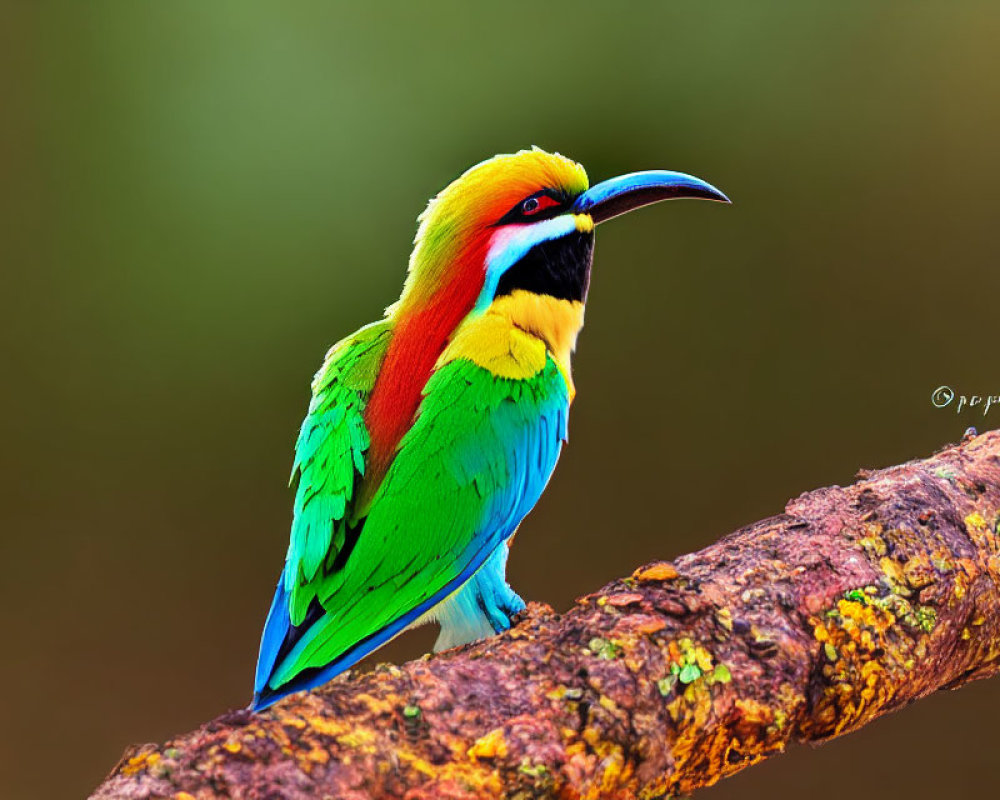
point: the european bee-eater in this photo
(433, 432)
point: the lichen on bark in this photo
(852, 603)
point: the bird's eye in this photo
(538, 203)
(541, 204)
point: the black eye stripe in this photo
(519, 213)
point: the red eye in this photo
(535, 204)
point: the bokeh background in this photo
(198, 198)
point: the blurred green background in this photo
(198, 198)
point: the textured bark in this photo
(851, 604)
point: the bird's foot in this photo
(500, 604)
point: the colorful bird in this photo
(433, 432)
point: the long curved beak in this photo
(616, 196)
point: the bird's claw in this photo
(501, 604)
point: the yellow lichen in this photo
(984, 535)
(993, 564)
(754, 713)
(416, 762)
(661, 571)
(327, 726)
(359, 739)
(318, 755)
(918, 572)
(492, 745)
(378, 705)
(976, 522)
(613, 768)
(612, 771)
(894, 575)
(870, 641)
(141, 762)
(871, 541)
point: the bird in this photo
(432, 432)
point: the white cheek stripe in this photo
(511, 243)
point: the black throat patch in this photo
(559, 268)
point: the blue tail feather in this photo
(275, 630)
(278, 626)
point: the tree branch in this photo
(853, 603)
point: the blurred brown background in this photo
(199, 198)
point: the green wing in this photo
(329, 461)
(474, 463)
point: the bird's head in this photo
(525, 221)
